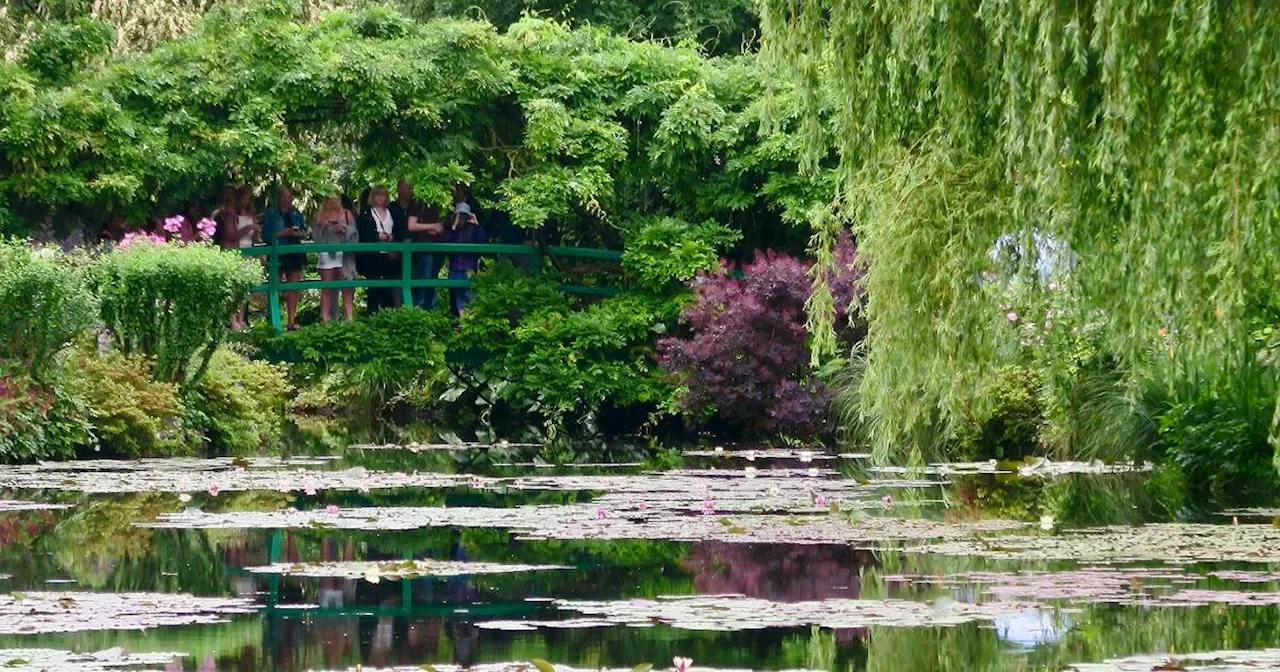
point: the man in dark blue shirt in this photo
(282, 224)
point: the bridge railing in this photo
(406, 282)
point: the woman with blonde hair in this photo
(378, 223)
(335, 224)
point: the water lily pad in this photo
(1166, 542)
(44, 612)
(1209, 661)
(40, 660)
(589, 521)
(7, 505)
(730, 613)
(526, 666)
(1035, 466)
(396, 569)
(1152, 587)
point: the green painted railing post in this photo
(273, 292)
(406, 276)
(537, 258)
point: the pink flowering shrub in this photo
(745, 360)
(177, 228)
(140, 238)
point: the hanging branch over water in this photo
(1142, 137)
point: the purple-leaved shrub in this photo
(744, 358)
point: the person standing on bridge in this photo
(335, 224)
(377, 224)
(464, 228)
(282, 224)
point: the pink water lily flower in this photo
(213, 490)
(1012, 316)
(682, 664)
(310, 491)
(708, 507)
(643, 506)
(820, 500)
(887, 501)
(601, 513)
(332, 509)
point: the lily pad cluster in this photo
(395, 569)
(110, 660)
(1151, 587)
(50, 612)
(590, 521)
(729, 613)
(1164, 542)
(1208, 661)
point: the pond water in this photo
(425, 557)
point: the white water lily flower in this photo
(1046, 523)
(751, 472)
(719, 449)
(184, 498)
(775, 491)
(371, 574)
(813, 472)
(750, 455)
(806, 456)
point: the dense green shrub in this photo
(238, 405)
(171, 303)
(562, 367)
(503, 295)
(44, 303)
(1007, 418)
(60, 49)
(665, 250)
(132, 414)
(1221, 447)
(39, 421)
(374, 361)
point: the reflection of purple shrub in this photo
(747, 357)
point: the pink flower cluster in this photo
(140, 238)
(203, 230)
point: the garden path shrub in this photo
(44, 303)
(171, 303)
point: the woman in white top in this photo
(378, 224)
(335, 224)
(247, 225)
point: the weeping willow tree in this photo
(1028, 177)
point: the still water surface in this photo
(336, 624)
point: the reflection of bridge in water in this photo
(534, 255)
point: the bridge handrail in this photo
(406, 282)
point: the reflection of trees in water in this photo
(783, 573)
